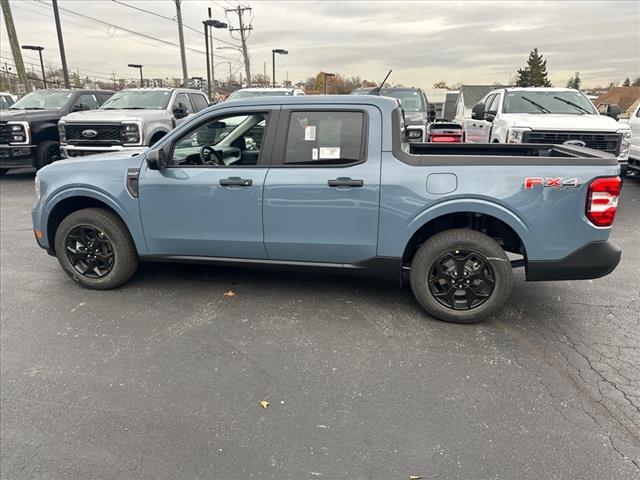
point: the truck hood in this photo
(116, 160)
(557, 121)
(29, 115)
(111, 115)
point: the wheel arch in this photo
(510, 233)
(65, 204)
(156, 136)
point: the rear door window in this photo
(325, 138)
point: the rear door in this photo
(321, 197)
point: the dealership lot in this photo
(163, 378)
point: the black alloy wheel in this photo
(461, 279)
(89, 251)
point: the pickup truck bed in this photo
(335, 185)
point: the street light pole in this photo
(39, 49)
(279, 51)
(138, 66)
(325, 80)
(206, 47)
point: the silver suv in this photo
(130, 120)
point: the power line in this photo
(170, 19)
(133, 32)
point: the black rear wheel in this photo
(461, 276)
(95, 249)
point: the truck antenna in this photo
(377, 90)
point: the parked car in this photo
(547, 115)
(634, 152)
(29, 127)
(130, 120)
(444, 132)
(329, 181)
(245, 93)
(6, 100)
(418, 112)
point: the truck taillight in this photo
(602, 200)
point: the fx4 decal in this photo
(532, 182)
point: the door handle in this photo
(481, 126)
(236, 182)
(345, 182)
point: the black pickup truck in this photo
(29, 127)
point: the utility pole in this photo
(15, 45)
(264, 72)
(183, 55)
(243, 39)
(213, 71)
(63, 57)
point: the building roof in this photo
(472, 94)
(624, 97)
(449, 110)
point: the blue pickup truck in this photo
(332, 182)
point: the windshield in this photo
(259, 93)
(542, 102)
(411, 100)
(138, 100)
(42, 100)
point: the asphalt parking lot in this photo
(163, 378)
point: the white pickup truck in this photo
(547, 115)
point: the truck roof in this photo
(382, 102)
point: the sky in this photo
(423, 42)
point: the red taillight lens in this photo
(602, 200)
(444, 138)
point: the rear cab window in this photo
(317, 138)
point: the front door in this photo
(208, 202)
(321, 197)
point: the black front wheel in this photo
(461, 276)
(95, 249)
(47, 153)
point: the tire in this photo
(3, 171)
(440, 258)
(46, 153)
(121, 252)
(156, 138)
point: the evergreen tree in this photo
(535, 73)
(636, 82)
(626, 83)
(575, 82)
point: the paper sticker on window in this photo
(310, 133)
(314, 154)
(329, 152)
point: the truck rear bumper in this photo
(594, 260)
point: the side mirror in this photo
(477, 112)
(490, 117)
(179, 111)
(156, 159)
(613, 111)
(78, 107)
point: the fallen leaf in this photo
(230, 293)
(264, 404)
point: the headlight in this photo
(516, 134)
(62, 133)
(414, 133)
(19, 133)
(131, 133)
(625, 144)
(37, 186)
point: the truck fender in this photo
(132, 223)
(39, 128)
(475, 205)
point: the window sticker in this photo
(310, 133)
(314, 154)
(329, 152)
